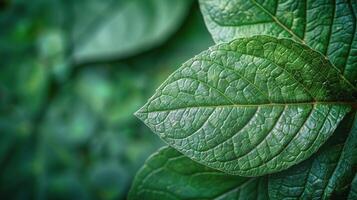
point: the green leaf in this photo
(353, 192)
(322, 175)
(170, 175)
(123, 28)
(246, 108)
(326, 26)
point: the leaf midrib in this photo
(341, 72)
(278, 22)
(353, 104)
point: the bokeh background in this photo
(72, 73)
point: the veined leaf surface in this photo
(326, 26)
(250, 107)
(319, 177)
(170, 175)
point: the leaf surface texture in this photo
(330, 170)
(246, 108)
(325, 25)
(170, 175)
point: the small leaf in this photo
(326, 26)
(322, 175)
(246, 108)
(170, 175)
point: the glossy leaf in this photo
(245, 107)
(326, 26)
(322, 175)
(124, 27)
(170, 175)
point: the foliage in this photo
(269, 112)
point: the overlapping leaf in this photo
(326, 26)
(250, 107)
(170, 175)
(322, 175)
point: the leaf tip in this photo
(141, 113)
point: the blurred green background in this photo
(72, 74)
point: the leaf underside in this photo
(170, 175)
(330, 170)
(250, 107)
(326, 26)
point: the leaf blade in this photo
(329, 171)
(328, 27)
(181, 178)
(232, 118)
(353, 192)
(124, 28)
